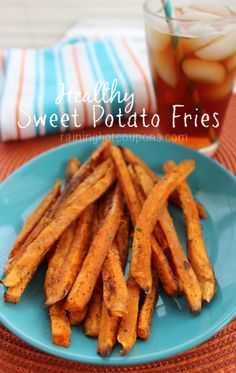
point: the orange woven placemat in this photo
(216, 355)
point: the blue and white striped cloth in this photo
(32, 79)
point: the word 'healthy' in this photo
(100, 105)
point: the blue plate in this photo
(174, 329)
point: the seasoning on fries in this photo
(87, 277)
(196, 247)
(83, 231)
(165, 272)
(134, 160)
(141, 249)
(127, 333)
(186, 277)
(71, 169)
(107, 336)
(60, 325)
(77, 317)
(109, 324)
(97, 157)
(68, 258)
(115, 292)
(77, 202)
(93, 317)
(160, 261)
(34, 219)
(146, 312)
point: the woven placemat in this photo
(216, 355)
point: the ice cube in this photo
(156, 40)
(165, 66)
(192, 44)
(230, 63)
(226, 29)
(216, 92)
(211, 7)
(201, 30)
(193, 15)
(221, 48)
(203, 71)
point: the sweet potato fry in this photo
(201, 210)
(31, 237)
(59, 321)
(142, 180)
(43, 223)
(115, 292)
(122, 238)
(161, 240)
(196, 248)
(184, 270)
(163, 269)
(160, 237)
(107, 336)
(186, 278)
(97, 157)
(71, 169)
(134, 207)
(126, 183)
(128, 326)
(35, 216)
(76, 318)
(13, 294)
(60, 325)
(133, 159)
(98, 174)
(127, 333)
(160, 261)
(96, 184)
(68, 258)
(146, 183)
(141, 250)
(109, 324)
(96, 221)
(165, 273)
(86, 279)
(139, 191)
(95, 303)
(145, 314)
(52, 285)
(93, 317)
(174, 199)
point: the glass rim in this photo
(221, 19)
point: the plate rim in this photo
(120, 361)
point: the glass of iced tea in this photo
(192, 56)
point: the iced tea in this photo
(193, 64)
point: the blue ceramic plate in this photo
(174, 329)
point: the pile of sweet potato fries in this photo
(83, 233)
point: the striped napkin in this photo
(77, 83)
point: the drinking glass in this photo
(192, 57)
